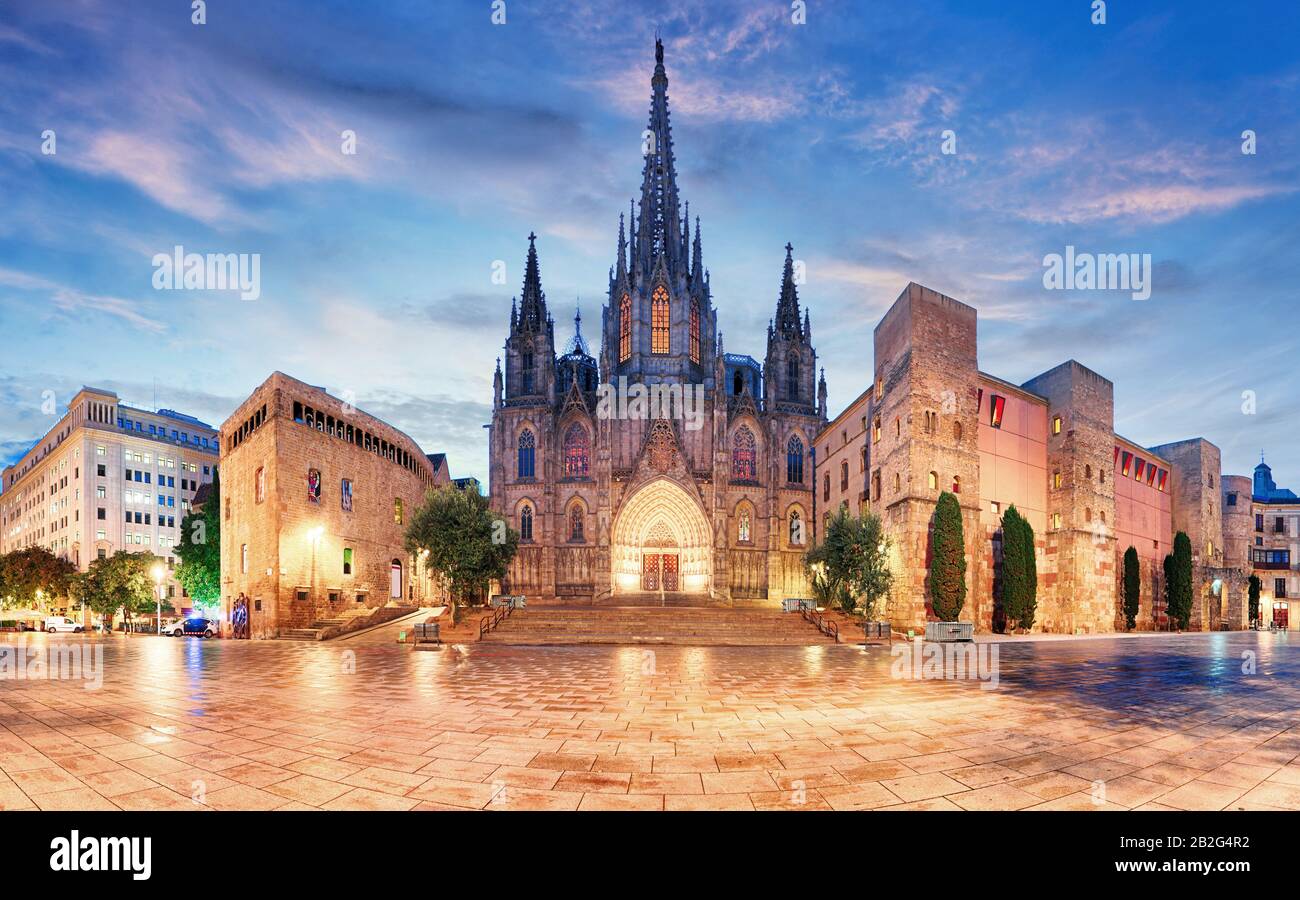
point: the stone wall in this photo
(285, 550)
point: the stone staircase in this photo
(323, 629)
(650, 599)
(681, 625)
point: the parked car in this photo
(198, 627)
(61, 623)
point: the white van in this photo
(61, 623)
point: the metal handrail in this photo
(487, 624)
(824, 625)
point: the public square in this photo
(1150, 722)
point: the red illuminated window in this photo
(1151, 473)
(996, 406)
(1139, 469)
(577, 452)
(1126, 466)
(1161, 479)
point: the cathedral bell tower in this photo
(790, 372)
(530, 348)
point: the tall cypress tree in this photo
(1132, 587)
(1169, 585)
(1252, 594)
(947, 560)
(1013, 567)
(1029, 608)
(1180, 588)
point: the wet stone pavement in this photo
(1102, 724)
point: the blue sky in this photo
(377, 267)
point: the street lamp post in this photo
(157, 580)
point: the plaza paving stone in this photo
(1154, 722)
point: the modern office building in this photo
(108, 476)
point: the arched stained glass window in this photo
(624, 328)
(526, 523)
(794, 460)
(744, 458)
(695, 332)
(743, 528)
(577, 517)
(527, 454)
(577, 452)
(660, 321)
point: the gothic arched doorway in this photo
(661, 542)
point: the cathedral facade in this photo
(619, 500)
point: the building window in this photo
(1057, 480)
(997, 405)
(956, 431)
(1056, 520)
(345, 495)
(527, 448)
(399, 516)
(744, 457)
(796, 529)
(695, 332)
(933, 481)
(995, 507)
(577, 454)
(826, 486)
(347, 560)
(1056, 424)
(526, 523)
(259, 481)
(844, 476)
(576, 520)
(875, 485)
(898, 482)
(794, 460)
(1279, 588)
(931, 422)
(898, 427)
(624, 328)
(1259, 521)
(875, 430)
(743, 527)
(1087, 473)
(956, 484)
(1126, 464)
(880, 388)
(660, 321)
(243, 559)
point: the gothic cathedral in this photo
(625, 502)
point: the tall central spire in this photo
(659, 226)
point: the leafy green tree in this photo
(199, 550)
(1180, 582)
(33, 569)
(1132, 587)
(1252, 593)
(122, 581)
(947, 560)
(465, 541)
(852, 562)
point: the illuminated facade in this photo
(931, 421)
(315, 498)
(616, 503)
(108, 476)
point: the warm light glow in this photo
(157, 572)
(314, 535)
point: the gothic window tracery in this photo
(659, 321)
(577, 452)
(527, 454)
(695, 332)
(744, 457)
(794, 460)
(624, 328)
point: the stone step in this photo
(652, 625)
